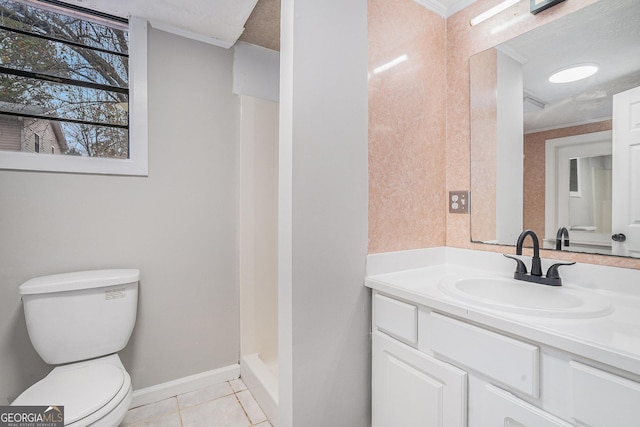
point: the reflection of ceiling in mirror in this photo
(606, 33)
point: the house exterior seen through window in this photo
(64, 81)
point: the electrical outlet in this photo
(458, 202)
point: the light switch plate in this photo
(459, 202)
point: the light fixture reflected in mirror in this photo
(573, 73)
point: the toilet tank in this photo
(81, 315)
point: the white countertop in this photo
(612, 339)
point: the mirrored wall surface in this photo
(547, 156)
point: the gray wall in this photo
(324, 191)
(178, 226)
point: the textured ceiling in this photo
(606, 34)
(220, 22)
(263, 26)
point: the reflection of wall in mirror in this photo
(497, 135)
(592, 209)
(483, 151)
(534, 161)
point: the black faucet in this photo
(552, 277)
(536, 269)
(562, 232)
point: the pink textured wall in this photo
(534, 171)
(407, 116)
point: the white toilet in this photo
(79, 321)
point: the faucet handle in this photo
(520, 267)
(552, 272)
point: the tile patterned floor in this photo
(229, 404)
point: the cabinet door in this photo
(412, 389)
(601, 399)
(501, 408)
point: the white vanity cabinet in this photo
(433, 369)
(411, 388)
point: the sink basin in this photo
(521, 297)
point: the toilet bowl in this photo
(94, 393)
(79, 321)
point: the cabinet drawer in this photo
(396, 318)
(513, 363)
(500, 408)
(599, 398)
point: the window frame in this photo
(137, 163)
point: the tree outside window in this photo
(66, 73)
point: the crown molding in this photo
(458, 6)
(442, 9)
(512, 54)
(434, 6)
(163, 26)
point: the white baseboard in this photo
(263, 385)
(184, 385)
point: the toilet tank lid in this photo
(79, 280)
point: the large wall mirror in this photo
(547, 156)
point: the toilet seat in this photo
(88, 391)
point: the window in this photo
(66, 73)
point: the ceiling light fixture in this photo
(493, 11)
(573, 73)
